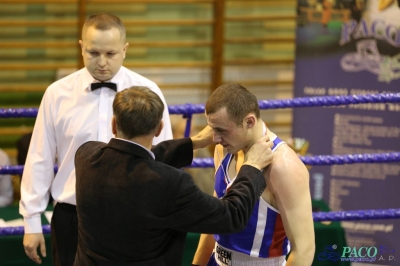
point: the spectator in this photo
(6, 187)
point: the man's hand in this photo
(260, 154)
(31, 242)
(203, 138)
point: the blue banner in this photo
(346, 48)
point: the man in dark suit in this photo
(134, 209)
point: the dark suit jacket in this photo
(134, 210)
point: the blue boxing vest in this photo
(264, 235)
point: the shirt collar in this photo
(149, 151)
(87, 79)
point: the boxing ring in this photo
(188, 110)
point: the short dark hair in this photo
(237, 100)
(104, 21)
(137, 111)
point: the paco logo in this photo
(361, 252)
(357, 254)
(329, 254)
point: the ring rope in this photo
(188, 109)
(356, 215)
(325, 159)
(308, 160)
(317, 216)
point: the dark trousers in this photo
(64, 234)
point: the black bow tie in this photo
(98, 85)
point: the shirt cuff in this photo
(33, 225)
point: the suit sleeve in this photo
(194, 211)
(176, 153)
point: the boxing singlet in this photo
(264, 235)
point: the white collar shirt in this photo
(137, 144)
(69, 115)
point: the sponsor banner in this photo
(346, 48)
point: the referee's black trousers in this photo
(64, 234)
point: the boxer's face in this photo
(231, 136)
